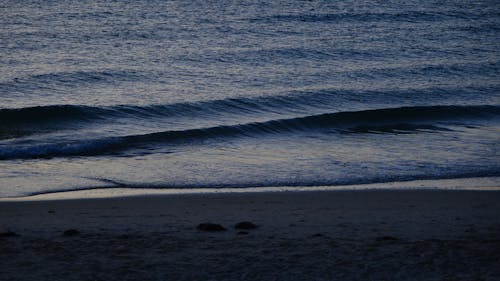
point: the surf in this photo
(386, 120)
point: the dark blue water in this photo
(189, 94)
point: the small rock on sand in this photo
(245, 225)
(386, 239)
(8, 234)
(71, 232)
(210, 227)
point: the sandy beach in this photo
(327, 235)
(249, 140)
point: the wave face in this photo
(58, 117)
(389, 120)
(209, 94)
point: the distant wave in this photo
(386, 120)
(60, 116)
(74, 113)
(408, 16)
(50, 113)
(52, 116)
(68, 78)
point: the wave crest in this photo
(387, 120)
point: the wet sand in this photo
(327, 235)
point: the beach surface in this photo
(322, 235)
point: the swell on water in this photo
(62, 116)
(70, 79)
(408, 16)
(387, 120)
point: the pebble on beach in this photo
(71, 232)
(210, 227)
(245, 225)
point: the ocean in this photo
(241, 94)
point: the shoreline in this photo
(317, 235)
(457, 184)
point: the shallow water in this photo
(217, 94)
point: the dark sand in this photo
(329, 235)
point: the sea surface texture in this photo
(217, 94)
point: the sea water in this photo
(239, 94)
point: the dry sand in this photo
(329, 235)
